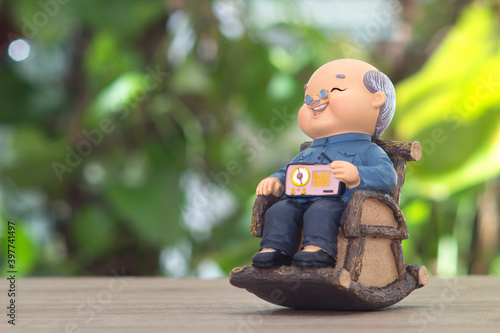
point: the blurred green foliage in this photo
(135, 133)
(451, 106)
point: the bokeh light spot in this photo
(19, 50)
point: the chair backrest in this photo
(399, 152)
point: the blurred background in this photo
(133, 133)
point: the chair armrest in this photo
(351, 220)
(260, 206)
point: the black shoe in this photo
(270, 259)
(313, 259)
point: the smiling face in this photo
(336, 101)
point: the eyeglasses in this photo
(323, 94)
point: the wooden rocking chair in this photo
(370, 272)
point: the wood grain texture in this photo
(260, 206)
(351, 220)
(400, 167)
(353, 261)
(325, 288)
(409, 150)
(380, 231)
(153, 305)
(397, 250)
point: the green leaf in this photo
(115, 97)
(33, 156)
(451, 107)
(152, 209)
(25, 251)
(127, 19)
(107, 59)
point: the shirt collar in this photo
(341, 138)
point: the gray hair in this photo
(377, 81)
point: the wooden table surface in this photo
(118, 304)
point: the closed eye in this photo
(338, 89)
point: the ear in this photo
(378, 99)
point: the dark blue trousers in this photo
(319, 219)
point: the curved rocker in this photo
(370, 272)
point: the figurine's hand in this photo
(270, 185)
(346, 172)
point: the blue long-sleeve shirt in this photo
(374, 165)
